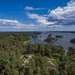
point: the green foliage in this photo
(72, 41)
(59, 36)
(19, 57)
(50, 38)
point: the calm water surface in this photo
(64, 42)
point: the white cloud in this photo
(42, 20)
(56, 19)
(63, 15)
(8, 22)
(14, 23)
(26, 26)
(28, 8)
(33, 8)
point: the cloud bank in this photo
(14, 25)
(7, 22)
(58, 19)
(63, 15)
(61, 18)
(41, 20)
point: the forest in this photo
(18, 56)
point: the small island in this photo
(52, 38)
(72, 41)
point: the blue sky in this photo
(35, 15)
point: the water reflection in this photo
(64, 42)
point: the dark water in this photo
(64, 42)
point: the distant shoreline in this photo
(35, 31)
